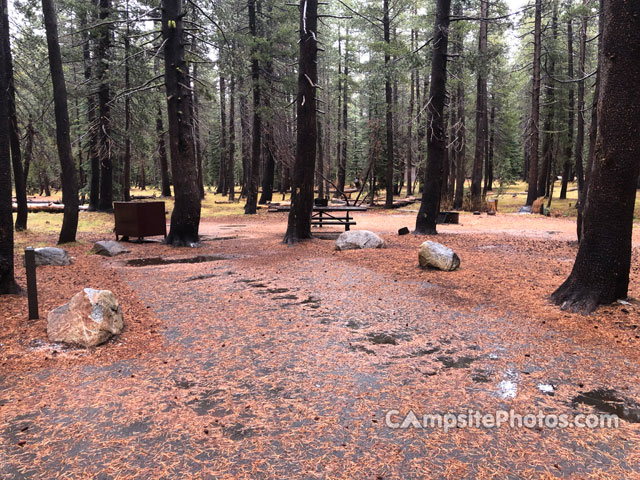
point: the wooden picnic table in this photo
(330, 215)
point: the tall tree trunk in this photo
(19, 178)
(412, 104)
(579, 159)
(566, 170)
(185, 219)
(460, 140)
(231, 182)
(593, 131)
(196, 121)
(8, 283)
(250, 207)
(68, 167)
(92, 132)
(104, 106)
(436, 133)
(126, 184)
(246, 137)
(547, 143)
(162, 153)
(222, 174)
(481, 110)
(388, 95)
(601, 272)
(534, 139)
(28, 149)
(488, 184)
(345, 115)
(299, 224)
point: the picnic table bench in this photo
(330, 215)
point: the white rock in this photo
(89, 319)
(357, 239)
(52, 256)
(108, 248)
(436, 255)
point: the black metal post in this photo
(32, 286)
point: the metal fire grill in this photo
(139, 219)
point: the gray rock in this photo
(108, 248)
(358, 239)
(52, 256)
(89, 319)
(436, 255)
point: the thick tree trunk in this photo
(436, 133)
(185, 219)
(566, 171)
(601, 272)
(250, 207)
(534, 138)
(19, 178)
(388, 95)
(299, 224)
(104, 108)
(162, 154)
(8, 284)
(481, 111)
(68, 175)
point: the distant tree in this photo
(600, 274)
(534, 138)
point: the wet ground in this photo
(283, 362)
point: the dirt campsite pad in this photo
(245, 358)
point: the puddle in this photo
(610, 401)
(462, 362)
(425, 351)
(362, 348)
(382, 339)
(146, 262)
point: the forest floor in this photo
(269, 361)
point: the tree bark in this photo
(68, 175)
(388, 95)
(185, 219)
(601, 271)
(481, 111)
(222, 174)
(548, 140)
(299, 224)
(8, 284)
(436, 133)
(534, 138)
(105, 153)
(19, 178)
(250, 207)
(126, 183)
(231, 187)
(162, 153)
(566, 171)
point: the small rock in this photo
(436, 255)
(108, 248)
(52, 256)
(403, 231)
(89, 319)
(358, 239)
